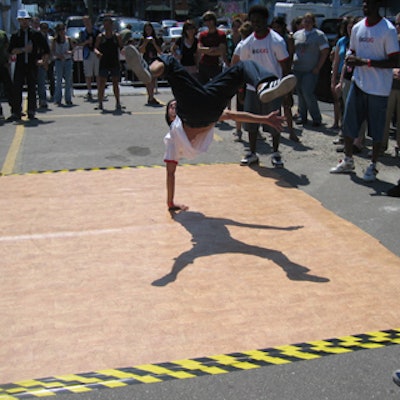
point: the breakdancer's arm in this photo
(273, 119)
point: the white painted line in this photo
(68, 234)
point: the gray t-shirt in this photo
(308, 45)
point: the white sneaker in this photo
(272, 90)
(343, 167)
(370, 173)
(248, 159)
(137, 64)
(276, 160)
(396, 377)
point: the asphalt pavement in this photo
(82, 138)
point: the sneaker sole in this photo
(134, 61)
(286, 85)
(347, 171)
(246, 164)
(277, 164)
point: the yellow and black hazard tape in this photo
(191, 368)
(89, 169)
(110, 168)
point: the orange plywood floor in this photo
(96, 274)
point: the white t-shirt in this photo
(267, 51)
(177, 144)
(236, 52)
(375, 42)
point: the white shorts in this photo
(91, 65)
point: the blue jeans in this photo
(361, 107)
(200, 105)
(305, 88)
(63, 70)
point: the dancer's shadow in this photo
(210, 236)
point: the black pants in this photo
(24, 73)
(50, 78)
(201, 105)
(5, 78)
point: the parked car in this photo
(52, 26)
(74, 32)
(99, 20)
(74, 25)
(122, 23)
(137, 27)
(168, 23)
(158, 28)
(170, 36)
(74, 21)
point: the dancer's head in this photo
(170, 112)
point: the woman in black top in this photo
(185, 48)
(107, 48)
(150, 47)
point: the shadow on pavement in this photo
(210, 236)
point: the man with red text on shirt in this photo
(268, 49)
(374, 53)
(212, 48)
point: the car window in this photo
(175, 31)
(75, 23)
(137, 26)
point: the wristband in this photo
(170, 205)
(369, 63)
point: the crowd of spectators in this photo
(43, 61)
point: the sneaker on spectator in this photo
(276, 160)
(153, 102)
(370, 173)
(338, 140)
(137, 64)
(272, 90)
(13, 118)
(344, 166)
(396, 377)
(249, 158)
(88, 96)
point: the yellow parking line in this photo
(13, 151)
(54, 116)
